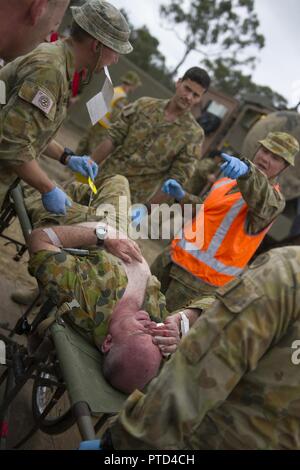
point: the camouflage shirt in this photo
(97, 282)
(37, 94)
(149, 149)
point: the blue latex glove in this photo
(90, 445)
(137, 214)
(173, 188)
(83, 165)
(233, 167)
(56, 201)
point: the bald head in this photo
(24, 24)
(132, 364)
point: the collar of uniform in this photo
(183, 120)
(70, 59)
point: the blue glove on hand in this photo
(83, 165)
(137, 214)
(90, 445)
(56, 201)
(233, 167)
(173, 188)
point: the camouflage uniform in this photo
(265, 204)
(39, 87)
(97, 133)
(83, 210)
(37, 97)
(149, 150)
(97, 282)
(231, 384)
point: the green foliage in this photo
(213, 22)
(146, 55)
(215, 28)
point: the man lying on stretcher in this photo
(119, 300)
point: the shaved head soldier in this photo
(24, 24)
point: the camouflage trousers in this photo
(179, 286)
(234, 382)
(110, 204)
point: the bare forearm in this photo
(54, 150)
(32, 174)
(103, 150)
(73, 236)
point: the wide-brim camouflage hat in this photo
(131, 78)
(104, 22)
(282, 144)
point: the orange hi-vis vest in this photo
(227, 247)
(118, 94)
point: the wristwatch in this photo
(65, 155)
(101, 232)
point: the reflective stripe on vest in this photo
(227, 247)
(207, 256)
(119, 93)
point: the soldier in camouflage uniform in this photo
(154, 140)
(38, 88)
(234, 381)
(264, 203)
(116, 295)
(285, 121)
(129, 82)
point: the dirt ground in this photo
(14, 274)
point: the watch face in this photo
(101, 232)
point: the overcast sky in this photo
(279, 62)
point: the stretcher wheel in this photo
(60, 417)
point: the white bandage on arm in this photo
(184, 324)
(53, 237)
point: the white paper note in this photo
(99, 104)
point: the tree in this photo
(235, 83)
(215, 29)
(146, 55)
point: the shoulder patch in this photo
(42, 101)
(39, 97)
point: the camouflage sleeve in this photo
(119, 105)
(28, 115)
(119, 129)
(185, 163)
(265, 203)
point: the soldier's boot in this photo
(26, 295)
